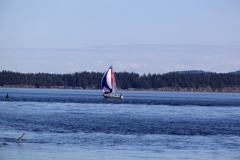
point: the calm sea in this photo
(81, 124)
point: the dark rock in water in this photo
(5, 143)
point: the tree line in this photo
(124, 80)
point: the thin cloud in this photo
(137, 58)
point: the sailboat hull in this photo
(113, 96)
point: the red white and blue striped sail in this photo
(108, 82)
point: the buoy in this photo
(7, 96)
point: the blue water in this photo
(80, 124)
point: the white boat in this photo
(109, 86)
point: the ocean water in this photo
(81, 124)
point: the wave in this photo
(116, 123)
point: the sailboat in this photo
(109, 85)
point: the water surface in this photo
(80, 124)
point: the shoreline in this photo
(234, 89)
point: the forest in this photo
(125, 80)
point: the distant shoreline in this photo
(234, 89)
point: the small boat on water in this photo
(109, 85)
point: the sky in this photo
(156, 36)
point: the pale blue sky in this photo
(60, 36)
